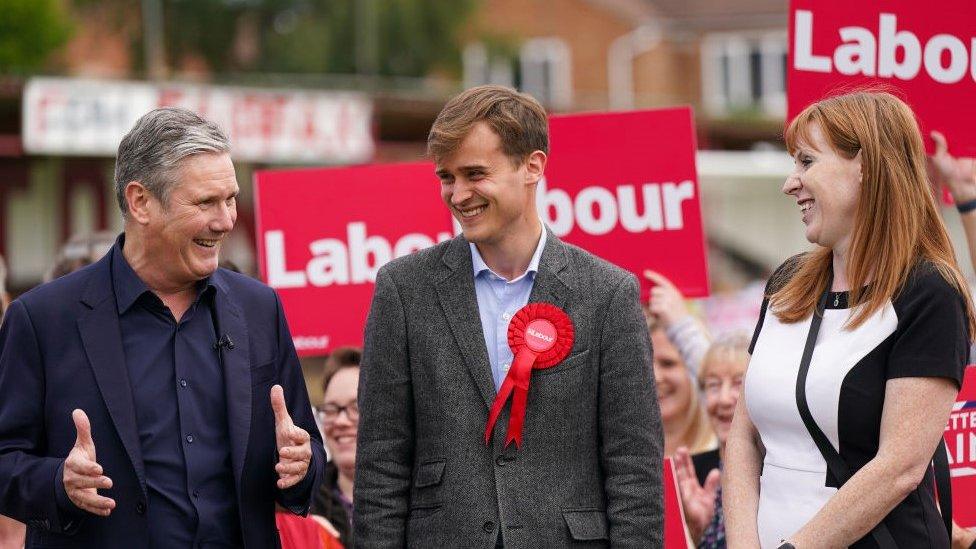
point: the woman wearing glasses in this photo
(338, 414)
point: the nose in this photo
(729, 395)
(792, 185)
(343, 418)
(224, 218)
(461, 192)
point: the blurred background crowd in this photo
(398, 61)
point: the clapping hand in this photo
(293, 443)
(83, 476)
(698, 501)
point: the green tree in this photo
(30, 30)
(384, 37)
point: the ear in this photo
(140, 202)
(535, 166)
(858, 158)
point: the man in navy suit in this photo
(152, 399)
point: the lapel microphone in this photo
(225, 342)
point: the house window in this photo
(482, 68)
(547, 71)
(743, 73)
(541, 67)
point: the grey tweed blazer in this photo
(588, 473)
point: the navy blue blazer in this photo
(61, 349)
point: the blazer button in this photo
(141, 508)
(500, 461)
(488, 526)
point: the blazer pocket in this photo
(586, 524)
(263, 373)
(568, 363)
(429, 473)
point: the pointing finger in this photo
(657, 278)
(278, 405)
(941, 146)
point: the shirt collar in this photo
(129, 287)
(480, 266)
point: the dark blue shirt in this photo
(181, 414)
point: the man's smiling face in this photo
(484, 189)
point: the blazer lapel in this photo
(236, 363)
(102, 339)
(553, 282)
(455, 291)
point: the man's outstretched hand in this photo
(293, 442)
(83, 476)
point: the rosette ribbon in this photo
(540, 336)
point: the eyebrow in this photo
(468, 168)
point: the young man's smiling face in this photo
(489, 195)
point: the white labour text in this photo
(594, 210)
(889, 52)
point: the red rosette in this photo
(540, 336)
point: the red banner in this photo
(926, 52)
(675, 533)
(622, 186)
(960, 438)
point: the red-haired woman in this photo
(860, 348)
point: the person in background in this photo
(683, 417)
(958, 174)
(339, 417)
(11, 531)
(4, 296)
(81, 250)
(666, 306)
(679, 342)
(698, 475)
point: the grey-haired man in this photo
(147, 399)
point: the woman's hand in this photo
(957, 174)
(667, 304)
(698, 501)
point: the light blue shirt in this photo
(498, 301)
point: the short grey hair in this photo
(154, 148)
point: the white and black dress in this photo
(922, 332)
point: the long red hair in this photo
(897, 222)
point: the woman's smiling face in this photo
(826, 186)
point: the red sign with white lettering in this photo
(925, 52)
(622, 186)
(960, 438)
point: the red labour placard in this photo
(960, 437)
(925, 53)
(324, 233)
(622, 186)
